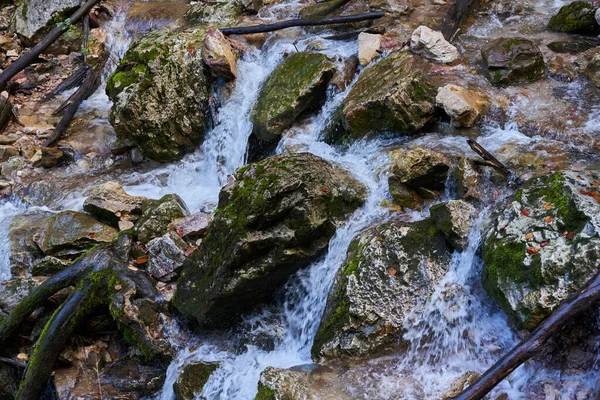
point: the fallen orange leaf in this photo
(548, 206)
(549, 219)
(142, 259)
(529, 236)
(392, 271)
(525, 213)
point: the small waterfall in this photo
(8, 210)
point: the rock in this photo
(469, 181)
(589, 62)
(48, 266)
(70, 233)
(218, 55)
(111, 204)
(275, 217)
(9, 381)
(368, 47)
(6, 111)
(576, 17)
(513, 60)
(543, 246)
(454, 220)
(192, 227)
(224, 13)
(192, 379)
(297, 84)
(390, 271)
(252, 6)
(344, 76)
(597, 16)
(392, 95)
(7, 152)
(417, 174)
(152, 15)
(24, 252)
(574, 45)
(461, 383)
(157, 215)
(321, 10)
(166, 255)
(160, 92)
(12, 165)
(465, 107)
(125, 225)
(432, 45)
(135, 376)
(38, 193)
(15, 290)
(33, 18)
(53, 157)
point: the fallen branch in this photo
(493, 162)
(583, 300)
(29, 57)
(248, 30)
(74, 80)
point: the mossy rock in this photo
(275, 217)
(157, 215)
(299, 83)
(192, 379)
(576, 17)
(34, 18)
(543, 246)
(322, 10)
(513, 60)
(264, 393)
(389, 271)
(214, 12)
(574, 45)
(391, 96)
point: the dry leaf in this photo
(525, 213)
(379, 239)
(179, 232)
(548, 206)
(392, 271)
(190, 250)
(91, 235)
(549, 219)
(142, 259)
(324, 189)
(532, 251)
(544, 243)
(529, 236)
(570, 235)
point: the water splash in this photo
(8, 210)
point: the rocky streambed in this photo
(297, 214)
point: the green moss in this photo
(321, 10)
(264, 393)
(575, 17)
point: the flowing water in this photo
(463, 331)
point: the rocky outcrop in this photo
(218, 55)
(24, 251)
(110, 203)
(166, 254)
(274, 217)
(214, 12)
(390, 271)
(157, 215)
(297, 84)
(192, 227)
(469, 180)
(70, 233)
(416, 175)
(392, 95)
(192, 379)
(544, 245)
(454, 220)
(432, 45)
(576, 17)
(513, 60)
(589, 63)
(464, 106)
(33, 17)
(151, 15)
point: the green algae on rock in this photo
(157, 215)
(576, 17)
(543, 246)
(389, 271)
(297, 84)
(192, 379)
(274, 218)
(392, 95)
(513, 60)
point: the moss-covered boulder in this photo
(214, 12)
(192, 379)
(157, 215)
(576, 17)
(275, 217)
(296, 85)
(392, 95)
(454, 220)
(390, 271)
(306, 382)
(33, 18)
(589, 64)
(544, 245)
(417, 175)
(513, 60)
(70, 233)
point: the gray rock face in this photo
(589, 62)
(513, 60)
(194, 226)
(166, 255)
(275, 217)
(70, 233)
(432, 44)
(32, 16)
(390, 271)
(469, 181)
(15, 290)
(157, 215)
(463, 106)
(111, 204)
(544, 245)
(24, 252)
(454, 219)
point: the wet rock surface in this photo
(576, 17)
(275, 217)
(513, 60)
(192, 379)
(157, 215)
(110, 203)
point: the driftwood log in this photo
(583, 300)
(493, 162)
(248, 30)
(28, 58)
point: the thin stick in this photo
(493, 161)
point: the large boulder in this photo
(544, 245)
(576, 17)
(513, 60)
(161, 88)
(157, 215)
(390, 271)
(274, 217)
(432, 44)
(70, 233)
(297, 84)
(589, 64)
(464, 106)
(391, 95)
(192, 379)
(34, 17)
(110, 203)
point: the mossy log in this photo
(582, 301)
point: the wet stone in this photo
(192, 379)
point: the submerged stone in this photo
(513, 60)
(274, 217)
(544, 246)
